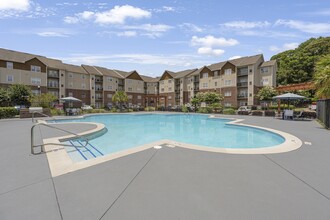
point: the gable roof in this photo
(74, 68)
(268, 63)
(19, 57)
(183, 73)
(150, 79)
(244, 61)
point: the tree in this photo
(322, 77)
(19, 94)
(4, 97)
(298, 65)
(43, 100)
(211, 99)
(120, 97)
(266, 93)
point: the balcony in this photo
(242, 96)
(53, 75)
(242, 74)
(98, 98)
(98, 88)
(242, 84)
(53, 85)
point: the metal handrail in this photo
(57, 144)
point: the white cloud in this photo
(211, 41)
(164, 9)
(54, 32)
(190, 27)
(308, 27)
(150, 30)
(246, 24)
(18, 5)
(210, 51)
(234, 57)
(127, 34)
(116, 15)
(119, 14)
(287, 46)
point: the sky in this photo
(153, 36)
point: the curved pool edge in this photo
(60, 163)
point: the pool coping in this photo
(60, 162)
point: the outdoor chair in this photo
(288, 114)
(300, 115)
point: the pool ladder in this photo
(42, 146)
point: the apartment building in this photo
(173, 86)
(238, 80)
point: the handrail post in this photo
(32, 139)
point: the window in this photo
(130, 97)
(170, 98)
(227, 82)
(83, 76)
(264, 70)
(250, 94)
(227, 104)
(215, 83)
(35, 68)
(109, 78)
(109, 96)
(169, 81)
(70, 94)
(216, 73)
(138, 89)
(205, 75)
(264, 82)
(83, 85)
(227, 71)
(10, 65)
(83, 95)
(228, 93)
(10, 78)
(169, 89)
(35, 81)
(162, 89)
(130, 89)
(70, 75)
(129, 81)
(35, 92)
(205, 85)
(70, 85)
(162, 82)
(139, 97)
(110, 87)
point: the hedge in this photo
(270, 113)
(243, 112)
(257, 113)
(228, 111)
(8, 112)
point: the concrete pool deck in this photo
(170, 183)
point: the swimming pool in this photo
(126, 131)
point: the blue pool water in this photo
(127, 131)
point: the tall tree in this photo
(120, 97)
(19, 94)
(322, 77)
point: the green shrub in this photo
(130, 110)
(228, 111)
(8, 112)
(205, 110)
(113, 109)
(283, 106)
(184, 108)
(149, 108)
(56, 111)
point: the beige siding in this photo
(134, 86)
(22, 77)
(166, 86)
(110, 83)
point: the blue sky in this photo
(152, 36)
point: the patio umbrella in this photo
(69, 100)
(288, 96)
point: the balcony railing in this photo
(52, 85)
(242, 96)
(242, 84)
(98, 89)
(53, 75)
(242, 74)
